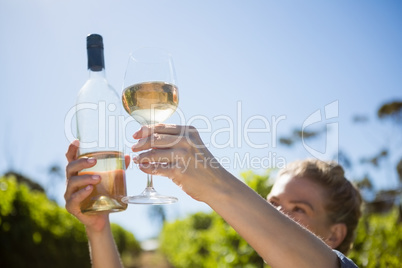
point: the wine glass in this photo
(150, 96)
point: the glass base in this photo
(149, 197)
(102, 204)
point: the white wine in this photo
(151, 102)
(107, 194)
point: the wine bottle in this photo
(100, 134)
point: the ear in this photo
(337, 234)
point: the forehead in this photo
(298, 188)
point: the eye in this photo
(299, 209)
(273, 203)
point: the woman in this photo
(178, 152)
(316, 195)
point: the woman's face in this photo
(303, 201)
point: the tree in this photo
(384, 199)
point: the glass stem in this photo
(150, 183)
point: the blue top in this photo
(344, 261)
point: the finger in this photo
(74, 201)
(160, 156)
(163, 129)
(75, 166)
(72, 151)
(157, 140)
(162, 169)
(77, 182)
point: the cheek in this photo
(301, 219)
(318, 227)
(311, 224)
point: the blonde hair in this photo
(343, 199)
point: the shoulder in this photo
(344, 261)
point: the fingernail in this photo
(135, 159)
(75, 143)
(89, 187)
(95, 177)
(91, 160)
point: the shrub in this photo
(378, 241)
(36, 232)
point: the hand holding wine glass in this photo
(150, 96)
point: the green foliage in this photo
(259, 183)
(36, 232)
(378, 241)
(391, 110)
(206, 240)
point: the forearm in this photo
(278, 239)
(103, 249)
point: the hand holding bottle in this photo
(80, 187)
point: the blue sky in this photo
(240, 64)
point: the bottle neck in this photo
(97, 74)
(96, 60)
